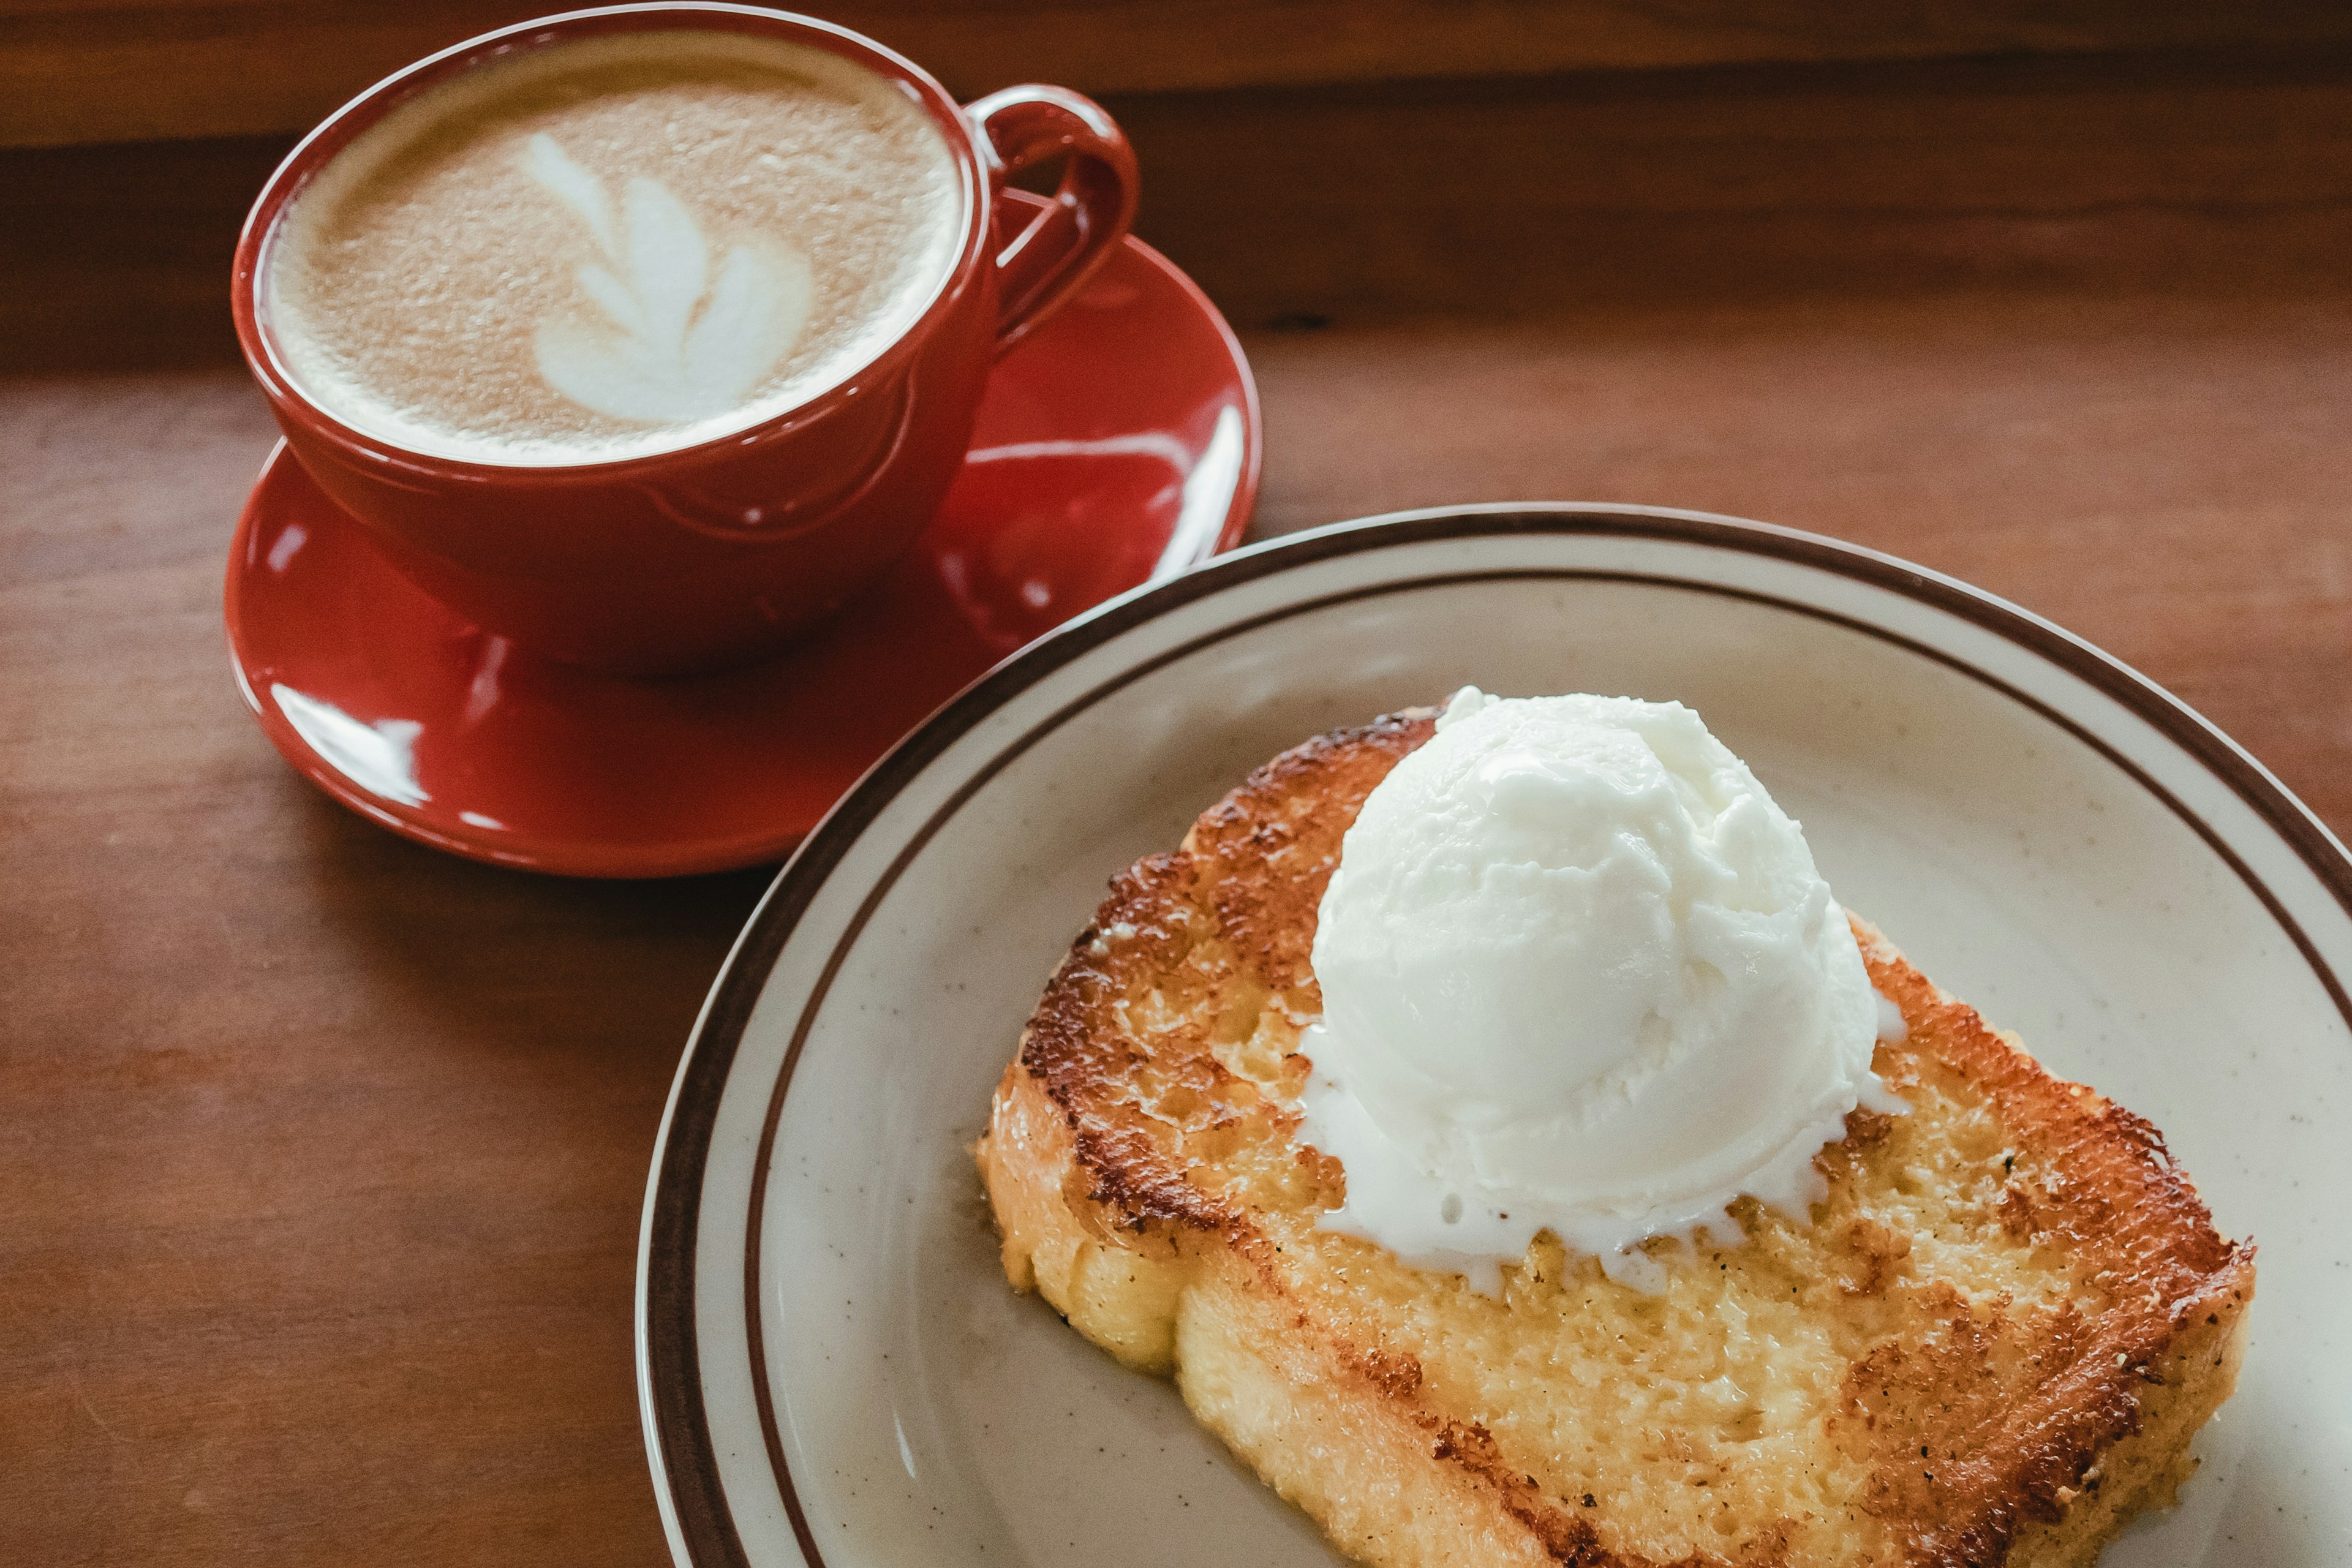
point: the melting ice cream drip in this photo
(677, 344)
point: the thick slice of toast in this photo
(1990, 1345)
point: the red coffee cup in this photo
(713, 554)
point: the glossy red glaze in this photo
(1117, 443)
(1022, 127)
(712, 554)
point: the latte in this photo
(613, 246)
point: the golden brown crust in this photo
(1144, 1129)
(2094, 1183)
(1266, 850)
(1257, 861)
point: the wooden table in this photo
(321, 1153)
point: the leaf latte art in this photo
(681, 344)
(613, 246)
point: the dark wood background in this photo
(119, 70)
(321, 1153)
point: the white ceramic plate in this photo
(832, 1368)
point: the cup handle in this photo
(1090, 212)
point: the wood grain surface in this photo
(324, 1151)
(119, 70)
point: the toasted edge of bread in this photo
(1100, 1215)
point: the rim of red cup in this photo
(338, 131)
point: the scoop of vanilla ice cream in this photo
(1578, 973)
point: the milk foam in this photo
(675, 345)
(613, 246)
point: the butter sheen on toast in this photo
(1990, 1345)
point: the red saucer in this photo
(1119, 444)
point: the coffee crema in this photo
(613, 246)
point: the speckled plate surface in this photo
(832, 1368)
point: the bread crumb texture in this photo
(1990, 1345)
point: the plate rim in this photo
(700, 1530)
